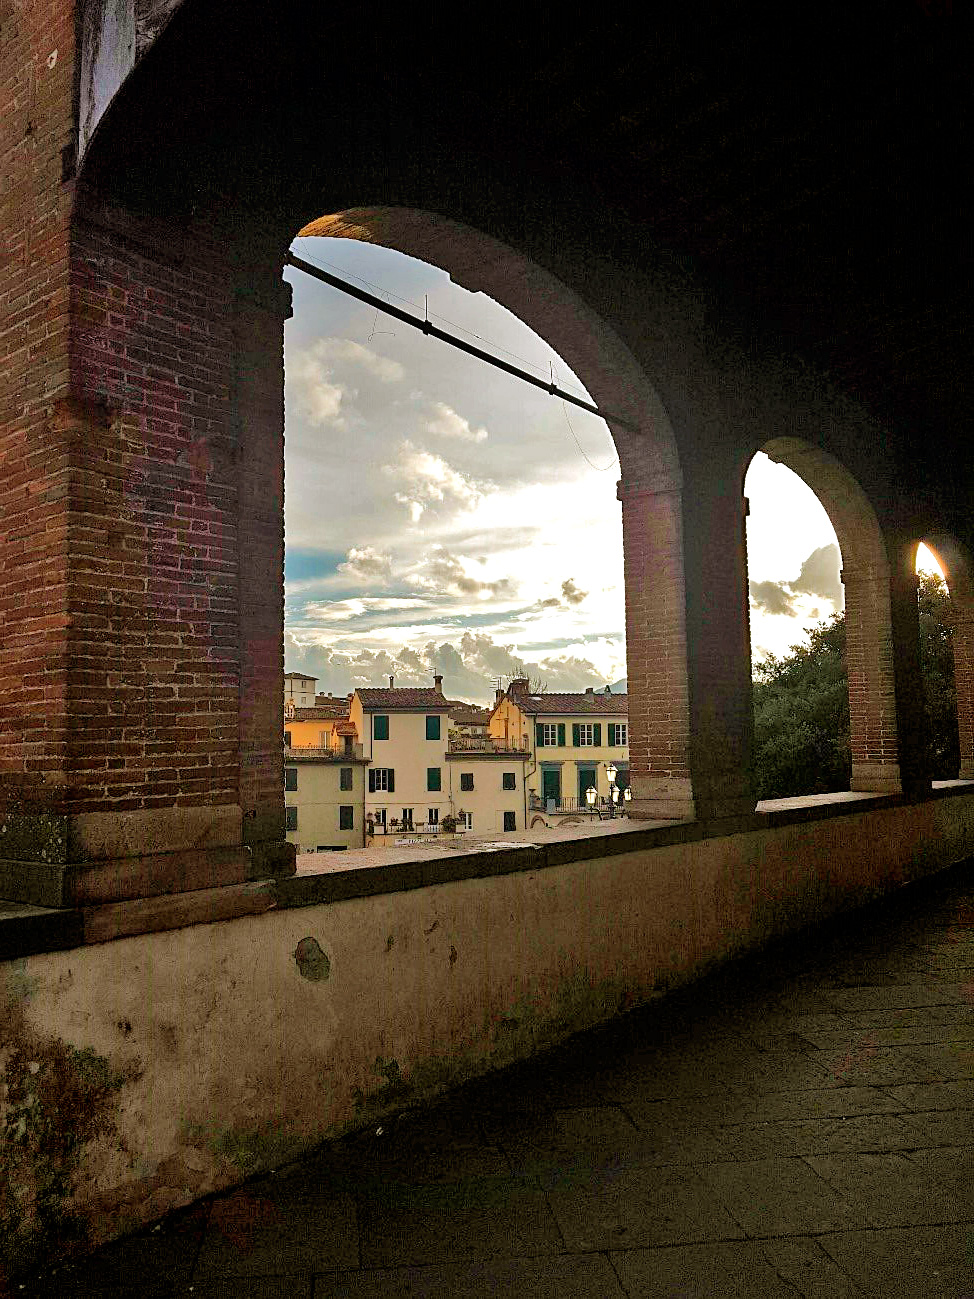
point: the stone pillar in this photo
(911, 712)
(872, 691)
(656, 651)
(262, 304)
(963, 645)
(718, 644)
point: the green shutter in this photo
(371, 780)
(561, 734)
(576, 735)
(539, 735)
(433, 728)
(612, 734)
(392, 781)
(380, 727)
(433, 779)
(597, 732)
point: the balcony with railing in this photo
(323, 753)
(486, 744)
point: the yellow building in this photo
(324, 800)
(573, 741)
(317, 727)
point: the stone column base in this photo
(661, 800)
(100, 857)
(876, 778)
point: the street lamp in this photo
(611, 774)
(627, 795)
(590, 797)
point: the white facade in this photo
(324, 803)
(299, 689)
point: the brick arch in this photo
(650, 486)
(955, 561)
(873, 723)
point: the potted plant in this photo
(449, 824)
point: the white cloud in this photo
(428, 481)
(445, 574)
(447, 423)
(367, 564)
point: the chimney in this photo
(392, 683)
(498, 695)
(438, 684)
(590, 690)
(518, 686)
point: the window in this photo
(510, 820)
(586, 734)
(290, 779)
(466, 819)
(290, 818)
(345, 778)
(407, 818)
(466, 781)
(618, 733)
(509, 780)
(287, 739)
(380, 727)
(432, 816)
(548, 734)
(433, 780)
(433, 728)
(382, 780)
(346, 818)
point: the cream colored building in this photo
(324, 800)
(404, 735)
(487, 790)
(573, 740)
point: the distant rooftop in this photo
(598, 703)
(298, 676)
(403, 700)
(322, 712)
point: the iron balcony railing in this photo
(332, 753)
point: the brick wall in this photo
(36, 137)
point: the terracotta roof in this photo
(596, 704)
(405, 700)
(321, 712)
(298, 676)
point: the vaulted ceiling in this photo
(810, 161)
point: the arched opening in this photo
(844, 675)
(946, 616)
(657, 727)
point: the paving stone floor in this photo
(796, 1125)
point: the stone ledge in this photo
(26, 929)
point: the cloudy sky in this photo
(443, 516)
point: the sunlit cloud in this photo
(448, 424)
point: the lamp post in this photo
(611, 774)
(590, 797)
(626, 796)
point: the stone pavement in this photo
(799, 1124)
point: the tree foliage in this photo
(801, 705)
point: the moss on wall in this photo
(54, 1101)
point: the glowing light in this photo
(927, 562)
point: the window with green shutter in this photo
(433, 729)
(290, 778)
(433, 778)
(612, 733)
(345, 778)
(380, 727)
(539, 735)
(561, 734)
(346, 818)
(598, 733)
(576, 732)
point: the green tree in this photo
(937, 667)
(801, 705)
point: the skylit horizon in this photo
(442, 516)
